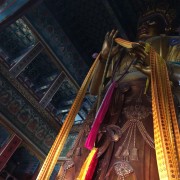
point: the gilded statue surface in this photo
(125, 141)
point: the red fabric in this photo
(89, 144)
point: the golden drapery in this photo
(166, 131)
(61, 138)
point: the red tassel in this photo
(89, 144)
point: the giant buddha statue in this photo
(125, 139)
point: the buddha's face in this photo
(151, 27)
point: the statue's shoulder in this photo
(166, 46)
(174, 40)
(173, 54)
(169, 40)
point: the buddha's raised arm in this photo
(98, 74)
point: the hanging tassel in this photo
(147, 85)
(126, 155)
(89, 144)
(134, 154)
(89, 166)
(118, 152)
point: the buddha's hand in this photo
(109, 39)
(142, 63)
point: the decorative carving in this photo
(19, 112)
(26, 60)
(15, 39)
(123, 169)
(30, 98)
(55, 37)
(136, 112)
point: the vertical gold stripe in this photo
(163, 117)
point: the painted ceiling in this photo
(67, 34)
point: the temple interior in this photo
(46, 50)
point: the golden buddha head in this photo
(155, 21)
